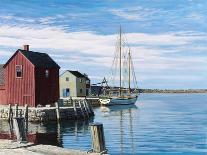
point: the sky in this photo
(168, 38)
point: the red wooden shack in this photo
(29, 78)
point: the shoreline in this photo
(178, 91)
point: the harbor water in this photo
(158, 124)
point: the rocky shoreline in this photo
(9, 147)
(173, 91)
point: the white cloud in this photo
(91, 49)
(126, 15)
(47, 20)
(96, 77)
(6, 17)
(5, 53)
(196, 17)
(172, 77)
(16, 18)
(57, 55)
(133, 13)
(86, 42)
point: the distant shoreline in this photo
(173, 91)
(97, 89)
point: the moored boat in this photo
(123, 59)
(118, 100)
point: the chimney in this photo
(26, 47)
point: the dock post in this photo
(67, 102)
(91, 109)
(82, 112)
(16, 110)
(85, 107)
(98, 140)
(57, 111)
(10, 128)
(26, 112)
(19, 128)
(75, 110)
(71, 100)
(26, 116)
(9, 113)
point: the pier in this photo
(65, 109)
(93, 101)
(11, 147)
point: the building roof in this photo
(77, 74)
(1, 74)
(86, 76)
(40, 59)
(37, 59)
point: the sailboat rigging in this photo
(123, 96)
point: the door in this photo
(64, 92)
(67, 92)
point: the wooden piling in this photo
(9, 112)
(75, 110)
(26, 112)
(71, 101)
(16, 110)
(26, 117)
(98, 140)
(86, 110)
(67, 102)
(57, 111)
(81, 108)
(10, 128)
(90, 108)
(19, 128)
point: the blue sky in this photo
(168, 38)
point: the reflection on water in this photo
(124, 136)
(117, 108)
(74, 134)
(52, 133)
(162, 124)
(122, 112)
(157, 124)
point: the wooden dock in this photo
(63, 110)
(93, 101)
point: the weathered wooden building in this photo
(29, 78)
(74, 84)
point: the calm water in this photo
(158, 124)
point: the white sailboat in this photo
(125, 95)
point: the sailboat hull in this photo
(118, 101)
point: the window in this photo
(81, 80)
(18, 71)
(81, 90)
(67, 78)
(46, 73)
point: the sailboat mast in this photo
(120, 62)
(129, 59)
